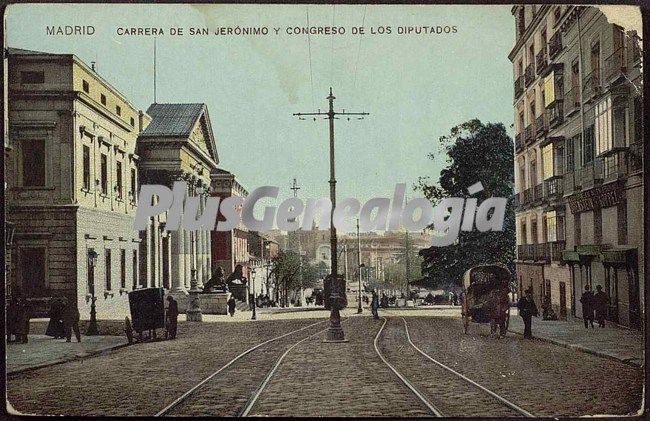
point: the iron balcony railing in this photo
(636, 156)
(541, 124)
(553, 187)
(541, 252)
(529, 133)
(615, 166)
(538, 192)
(528, 196)
(592, 84)
(555, 45)
(572, 100)
(529, 74)
(569, 181)
(555, 250)
(541, 61)
(518, 142)
(555, 114)
(615, 65)
(519, 86)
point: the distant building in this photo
(578, 159)
(229, 248)
(71, 179)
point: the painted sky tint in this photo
(415, 87)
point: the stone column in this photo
(155, 254)
(198, 235)
(187, 265)
(177, 259)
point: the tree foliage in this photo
(474, 152)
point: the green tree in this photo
(475, 152)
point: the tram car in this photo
(485, 297)
(147, 307)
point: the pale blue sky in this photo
(415, 87)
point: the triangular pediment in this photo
(202, 137)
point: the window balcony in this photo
(615, 166)
(518, 142)
(540, 252)
(615, 65)
(529, 134)
(529, 74)
(555, 250)
(555, 114)
(593, 86)
(572, 101)
(553, 188)
(528, 196)
(555, 45)
(538, 193)
(526, 252)
(635, 156)
(591, 174)
(541, 61)
(519, 86)
(541, 125)
(569, 182)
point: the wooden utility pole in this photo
(335, 332)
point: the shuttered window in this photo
(549, 89)
(551, 226)
(547, 161)
(603, 126)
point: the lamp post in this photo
(92, 326)
(361, 266)
(254, 317)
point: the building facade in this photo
(578, 159)
(71, 184)
(178, 145)
(229, 248)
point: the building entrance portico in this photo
(178, 145)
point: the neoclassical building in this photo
(178, 145)
(71, 181)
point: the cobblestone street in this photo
(346, 379)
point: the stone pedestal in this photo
(401, 302)
(193, 312)
(410, 303)
(215, 303)
(182, 298)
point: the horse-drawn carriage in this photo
(485, 297)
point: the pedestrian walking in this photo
(22, 321)
(55, 327)
(231, 306)
(12, 314)
(527, 309)
(172, 317)
(601, 302)
(71, 322)
(587, 301)
(374, 305)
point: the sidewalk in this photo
(611, 342)
(42, 351)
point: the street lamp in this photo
(92, 261)
(361, 266)
(253, 288)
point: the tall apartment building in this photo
(578, 159)
(71, 177)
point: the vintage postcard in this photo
(324, 210)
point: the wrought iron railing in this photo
(541, 61)
(519, 86)
(553, 187)
(538, 192)
(555, 250)
(541, 124)
(555, 45)
(615, 64)
(555, 114)
(518, 142)
(529, 74)
(572, 100)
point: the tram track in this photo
(211, 395)
(430, 381)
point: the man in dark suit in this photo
(172, 317)
(527, 309)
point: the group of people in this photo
(594, 306)
(64, 319)
(18, 314)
